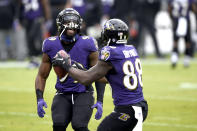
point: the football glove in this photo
(62, 61)
(40, 109)
(99, 112)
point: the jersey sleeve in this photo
(45, 46)
(92, 45)
(105, 54)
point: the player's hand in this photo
(62, 59)
(99, 106)
(40, 109)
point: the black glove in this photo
(64, 62)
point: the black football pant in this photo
(187, 38)
(124, 118)
(74, 108)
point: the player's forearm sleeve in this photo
(39, 94)
(100, 89)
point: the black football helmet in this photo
(68, 18)
(115, 31)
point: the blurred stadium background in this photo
(171, 93)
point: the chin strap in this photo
(69, 39)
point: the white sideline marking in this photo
(170, 125)
(165, 118)
(14, 64)
(188, 85)
(14, 89)
(149, 61)
(20, 114)
(187, 99)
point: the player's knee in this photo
(79, 125)
(59, 127)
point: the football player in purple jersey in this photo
(179, 11)
(120, 64)
(73, 101)
(33, 15)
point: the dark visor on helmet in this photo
(69, 18)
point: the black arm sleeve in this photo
(100, 89)
(39, 94)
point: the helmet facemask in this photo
(68, 19)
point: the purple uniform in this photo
(181, 8)
(79, 53)
(126, 77)
(32, 9)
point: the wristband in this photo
(39, 94)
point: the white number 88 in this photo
(129, 71)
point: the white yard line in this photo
(165, 118)
(146, 123)
(187, 99)
(187, 85)
(21, 114)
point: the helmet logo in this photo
(108, 26)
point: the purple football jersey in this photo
(32, 9)
(180, 8)
(126, 77)
(79, 53)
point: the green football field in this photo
(171, 95)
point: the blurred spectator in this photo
(144, 12)
(7, 13)
(80, 6)
(121, 9)
(20, 41)
(179, 13)
(56, 7)
(91, 12)
(32, 17)
(195, 34)
(106, 10)
(92, 17)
